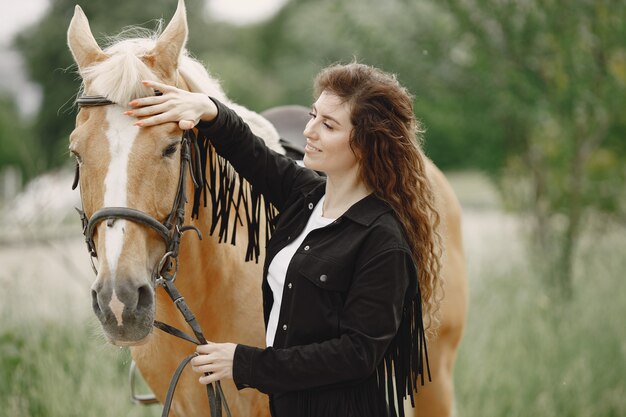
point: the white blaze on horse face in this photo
(121, 135)
(117, 308)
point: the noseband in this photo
(171, 231)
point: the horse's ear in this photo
(83, 45)
(164, 57)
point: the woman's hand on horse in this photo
(216, 359)
(174, 105)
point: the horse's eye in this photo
(170, 150)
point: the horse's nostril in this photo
(94, 302)
(144, 297)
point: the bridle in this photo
(172, 228)
(171, 231)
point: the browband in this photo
(93, 101)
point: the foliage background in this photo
(493, 80)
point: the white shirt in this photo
(277, 270)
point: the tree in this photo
(19, 149)
(556, 72)
(530, 91)
(277, 60)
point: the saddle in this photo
(290, 122)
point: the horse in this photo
(134, 182)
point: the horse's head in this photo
(124, 166)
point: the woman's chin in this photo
(308, 163)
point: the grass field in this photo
(523, 353)
(526, 354)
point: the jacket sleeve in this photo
(369, 322)
(275, 176)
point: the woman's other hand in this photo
(216, 359)
(174, 105)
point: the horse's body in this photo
(436, 398)
(124, 166)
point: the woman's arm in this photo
(275, 176)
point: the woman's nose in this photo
(309, 131)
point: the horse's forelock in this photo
(119, 76)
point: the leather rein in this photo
(171, 231)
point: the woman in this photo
(354, 260)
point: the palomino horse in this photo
(139, 170)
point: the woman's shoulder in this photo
(388, 229)
(382, 229)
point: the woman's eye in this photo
(313, 116)
(170, 150)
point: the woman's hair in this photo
(386, 138)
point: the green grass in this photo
(52, 369)
(525, 353)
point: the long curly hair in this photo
(386, 138)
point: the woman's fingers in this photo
(164, 88)
(206, 348)
(203, 369)
(209, 379)
(148, 109)
(157, 119)
(174, 105)
(186, 124)
(146, 101)
(215, 359)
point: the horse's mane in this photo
(118, 78)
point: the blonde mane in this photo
(118, 78)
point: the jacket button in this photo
(307, 247)
(310, 206)
(289, 285)
(324, 278)
(284, 327)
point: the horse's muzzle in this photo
(125, 310)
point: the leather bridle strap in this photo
(113, 213)
(170, 231)
(93, 101)
(215, 395)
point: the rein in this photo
(164, 273)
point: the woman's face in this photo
(328, 137)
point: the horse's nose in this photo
(125, 308)
(99, 293)
(95, 304)
(145, 296)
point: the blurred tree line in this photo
(530, 91)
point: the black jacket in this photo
(347, 291)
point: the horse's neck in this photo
(216, 282)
